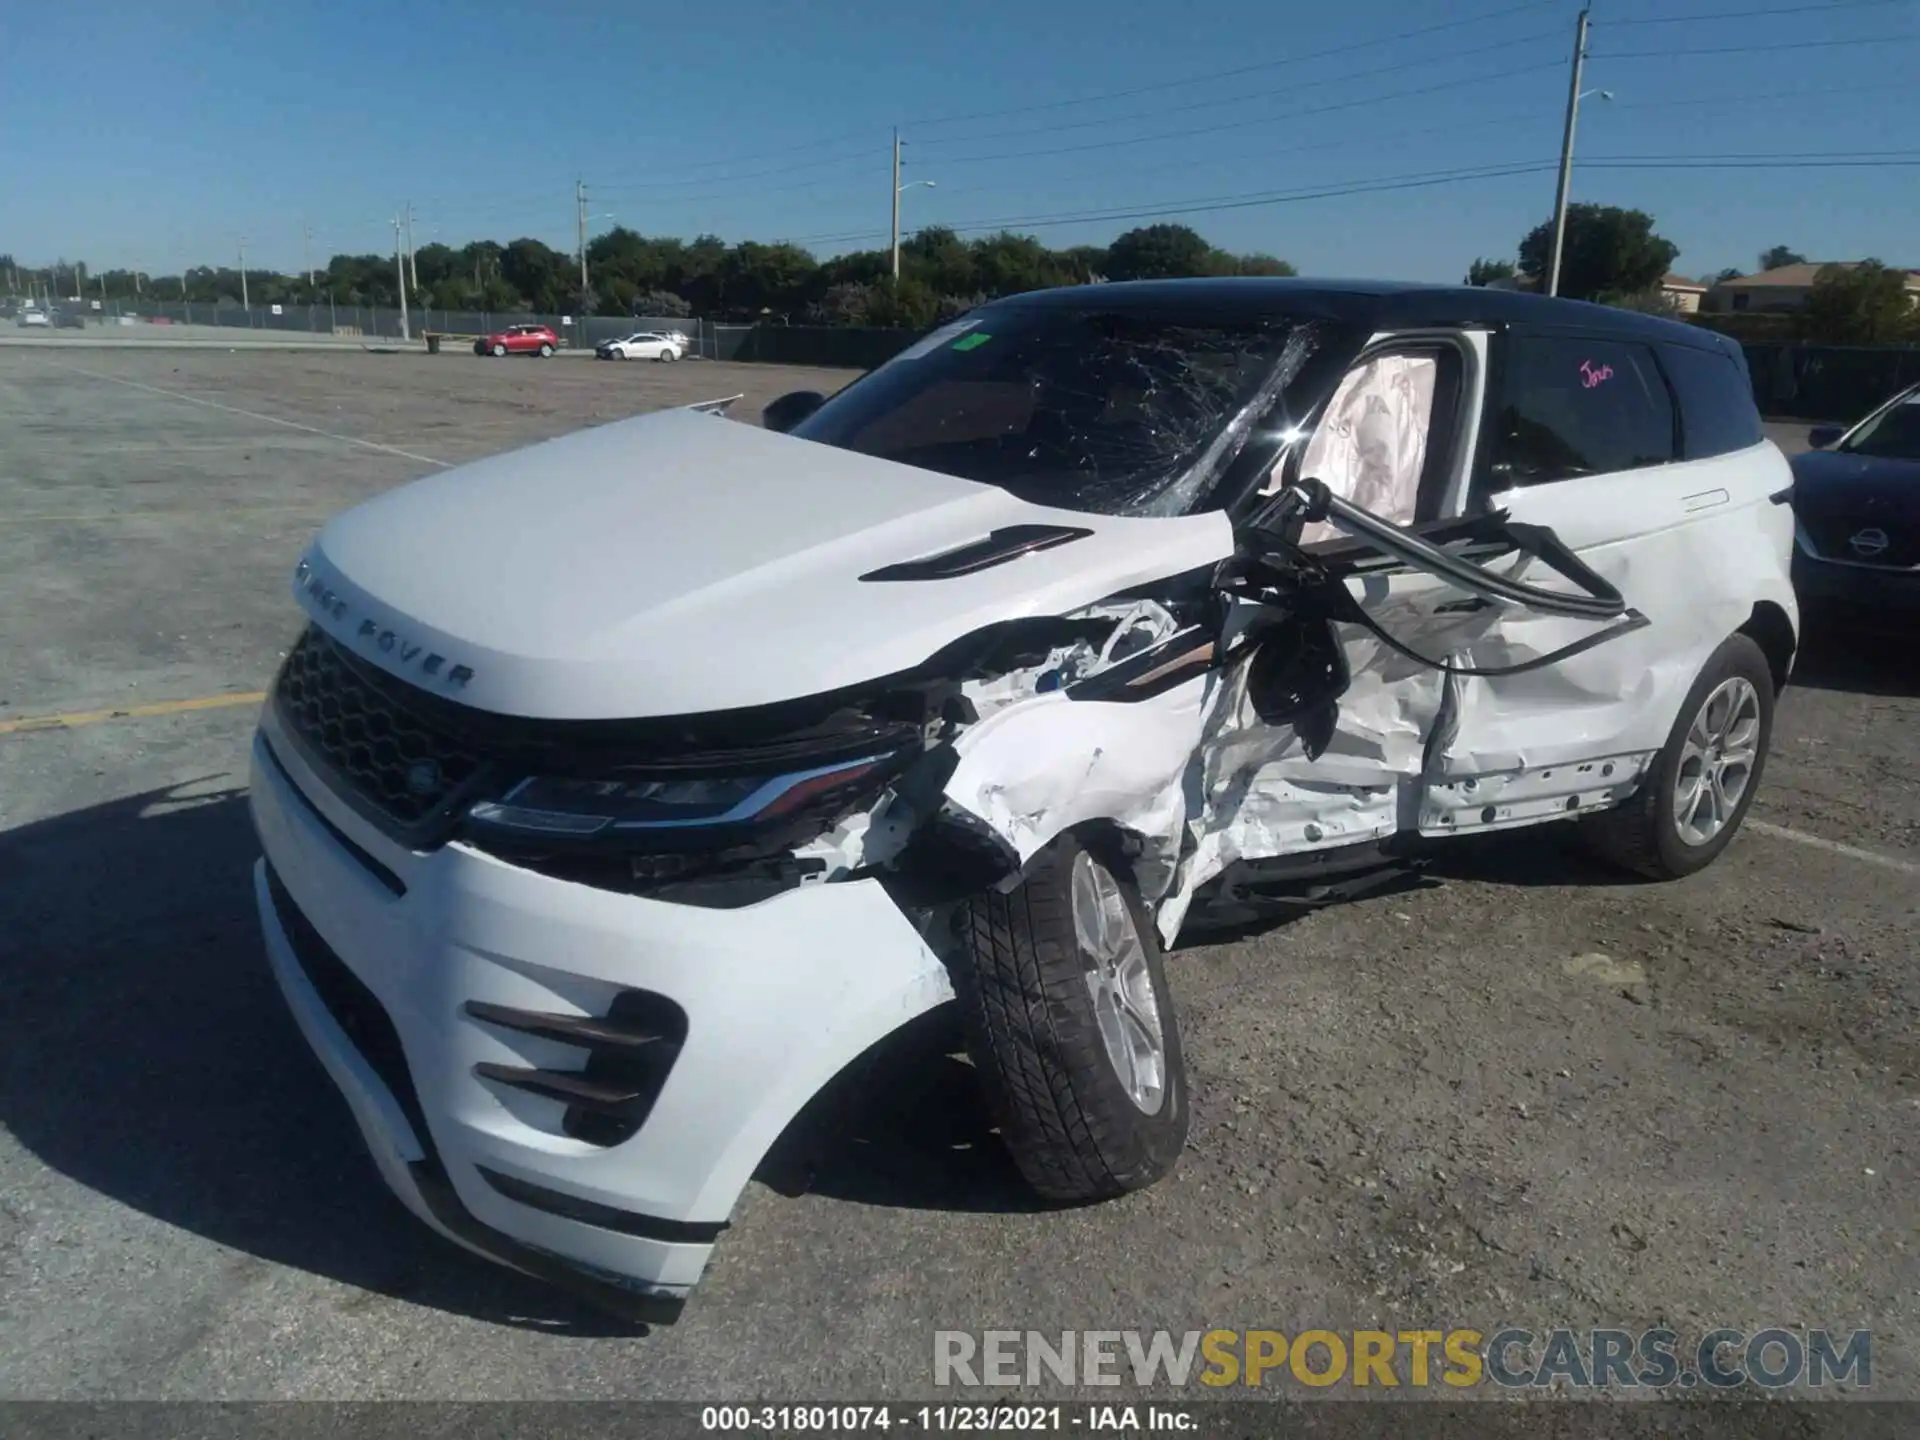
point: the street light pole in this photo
(580, 197)
(1566, 155)
(245, 304)
(896, 204)
(400, 274)
(413, 269)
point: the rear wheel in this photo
(1071, 1026)
(1702, 782)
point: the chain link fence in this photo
(822, 345)
(1790, 381)
(371, 322)
(1835, 383)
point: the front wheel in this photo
(545, 350)
(1071, 1027)
(1703, 781)
(499, 351)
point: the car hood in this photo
(679, 563)
(1831, 482)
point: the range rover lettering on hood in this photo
(410, 656)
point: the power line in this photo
(1315, 146)
(1423, 63)
(1876, 164)
(1715, 159)
(1754, 49)
(1770, 97)
(931, 122)
(1234, 202)
(1265, 120)
(925, 123)
(1753, 14)
(652, 187)
(1170, 208)
(864, 132)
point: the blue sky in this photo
(157, 135)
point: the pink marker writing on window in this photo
(1590, 375)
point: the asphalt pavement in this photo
(1526, 1092)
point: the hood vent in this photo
(1008, 543)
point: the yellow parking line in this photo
(159, 707)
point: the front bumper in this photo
(779, 997)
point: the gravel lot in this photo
(1424, 1110)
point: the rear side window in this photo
(1717, 413)
(1570, 407)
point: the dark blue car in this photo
(1856, 505)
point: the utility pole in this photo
(896, 204)
(580, 196)
(400, 273)
(413, 270)
(306, 253)
(1566, 155)
(244, 303)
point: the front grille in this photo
(371, 747)
(354, 1008)
(1833, 538)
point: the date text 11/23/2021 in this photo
(945, 1419)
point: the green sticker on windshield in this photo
(971, 342)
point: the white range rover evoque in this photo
(624, 791)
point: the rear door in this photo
(1584, 435)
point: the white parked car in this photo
(693, 759)
(643, 345)
(36, 318)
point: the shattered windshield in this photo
(1114, 413)
(1894, 436)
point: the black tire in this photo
(1643, 835)
(1032, 1031)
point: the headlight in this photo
(662, 810)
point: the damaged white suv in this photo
(626, 790)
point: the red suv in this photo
(518, 340)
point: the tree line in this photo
(1615, 257)
(1611, 255)
(632, 274)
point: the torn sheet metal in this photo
(1252, 793)
(1136, 626)
(1034, 770)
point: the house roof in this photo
(1798, 277)
(1680, 282)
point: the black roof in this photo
(1376, 304)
